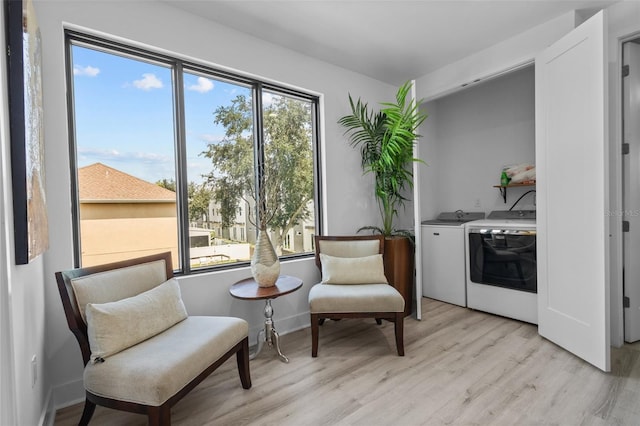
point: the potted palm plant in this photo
(386, 139)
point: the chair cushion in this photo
(335, 298)
(151, 372)
(116, 284)
(352, 270)
(115, 326)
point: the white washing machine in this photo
(501, 266)
(443, 257)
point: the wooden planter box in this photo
(399, 268)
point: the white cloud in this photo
(148, 82)
(151, 157)
(97, 155)
(93, 155)
(209, 138)
(197, 169)
(267, 98)
(148, 166)
(204, 85)
(88, 71)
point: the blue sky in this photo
(124, 115)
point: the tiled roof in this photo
(101, 183)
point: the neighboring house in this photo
(122, 216)
(300, 238)
(241, 230)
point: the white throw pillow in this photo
(352, 270)
(117, 284)
(115, 326)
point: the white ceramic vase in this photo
(265, 265)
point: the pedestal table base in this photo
(269, 334)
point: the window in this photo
(170, 155)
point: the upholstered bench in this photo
(152, 371)
(353, 285)
(142, 352)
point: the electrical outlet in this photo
(476, 204)
(34, 370)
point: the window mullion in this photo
(71, 123)
(317, 168)
(182, 192)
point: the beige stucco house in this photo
(122, 216)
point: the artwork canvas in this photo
(31, 229)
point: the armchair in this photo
(353, 285)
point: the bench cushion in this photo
(336, 298)
(115, 326)
(154, 370)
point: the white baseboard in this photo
(68, 394)
(48, 415)
(282, 325)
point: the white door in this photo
(572, 167)
(631, 197)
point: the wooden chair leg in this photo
(242, 357)
(159, 416)
(87, 412)
(315, 319)
(399, 322)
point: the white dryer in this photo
(501, 267)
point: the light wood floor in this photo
(461, 367)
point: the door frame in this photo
(616, 41)
(416, 225)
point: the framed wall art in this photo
(31, 229)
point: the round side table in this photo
(248, 289)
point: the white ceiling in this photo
(391, 41)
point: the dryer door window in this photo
(503, 258)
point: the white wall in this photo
(507, 55)
(7, 395)
(428, 173)
(158, 26)
(472, 135)
(460, 77)
(22, 303)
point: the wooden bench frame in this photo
(157, 415)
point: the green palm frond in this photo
(386, 139)
(373, 229)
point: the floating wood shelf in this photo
(503, 188)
